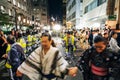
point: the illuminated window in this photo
(10, 12)
(14, 2)
(9, 0)
(19, 4)
(2, 8)
(24, 0)
(94, 4)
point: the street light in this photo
(15, 16)
(19, 19)
(36, 23)
(32, 22)
(28, 21)
(57, 28)
(24, 20)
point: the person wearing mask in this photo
(46, 62)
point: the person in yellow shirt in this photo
(29, 41)
(69, 43)
(34, 39)
(21, 41)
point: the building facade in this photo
(94, 13)
(101, 13)
(19, 12)
(24, 12)
(40, 11)
(73, 13)
(64, 12)
(116, 12)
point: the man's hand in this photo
(72, 71)
(18, 74)
(5, 56)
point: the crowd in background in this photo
(75, 39)
(24, 38)
(84, 37)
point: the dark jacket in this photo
(3, 47)
(107, 59)
(90, 39)
(16, 56)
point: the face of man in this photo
(100, 46)
(68, 35)
(45, 42)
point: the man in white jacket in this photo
(46, 63)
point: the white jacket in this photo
(114, 45)
(44, 64)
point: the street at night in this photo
(5, 75)
(59, 39)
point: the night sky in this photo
(55, 8)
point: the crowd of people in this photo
(84, 38)
(101, 57)
(15, 47)
(99, 61)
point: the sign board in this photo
(111, 24)
(112, 17)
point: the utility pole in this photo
(33, 21)
(15, 17)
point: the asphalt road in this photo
(73, 61)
